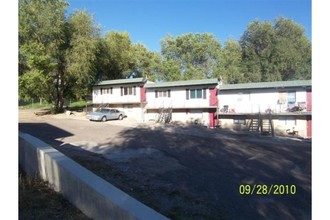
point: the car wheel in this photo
(104, 119)
(120, 117)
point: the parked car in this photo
(104, 114)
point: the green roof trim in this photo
(120, 81)
(265, 85)
(182, 83)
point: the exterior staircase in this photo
(262, 124)
(164, 114)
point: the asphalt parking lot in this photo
(188, 172)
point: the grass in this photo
(38, 201)
(37, 105)
(77, 104)
(34, 105)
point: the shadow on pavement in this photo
(204, 173)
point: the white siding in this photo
(252, 102)
(116, 96)
(177, 99)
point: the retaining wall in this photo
(95, 197)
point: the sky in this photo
(149, 21)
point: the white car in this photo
(104, 114)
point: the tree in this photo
(197, 55)
(231, 61)
(41, 35)
(81, 54)
(145, 63)
(114, 56)
(170, 71)
(275, 52)
(257, 45)
(292, 52)
(55, 53)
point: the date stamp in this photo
(263, 189)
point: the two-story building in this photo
(185, 101)
(289, 102)
(211, 103)
(124, 94)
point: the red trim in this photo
(213, 97)
(213, 102)
(212, 119)
(309, 101)
(143, 96)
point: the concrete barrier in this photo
(95, 197)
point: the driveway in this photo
(189, 172)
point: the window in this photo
(197, 93)
(128, 91)
(162, 93)
(106, 90)
(291, 97)
(192, 94)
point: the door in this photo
(112, 114)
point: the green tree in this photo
(170, 71)
(257, 45)
(197, 55)
(41, 37)
(114, 56)
(231, 60)
(292, 54)
(118, 58)
(146, 63)
(81, 54)
(55, 53)
(275, 52)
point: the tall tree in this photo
(146, 63)
(115, 56)
(275, 52)
(257, 45)
(170, 71)
(196, 54)
(81, 54)
(55, 52)
(230, 69)
(41, 37)
(292, 53)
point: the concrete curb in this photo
(94, 196)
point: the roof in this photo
(265, 85)
(181, 83)
(120, 81)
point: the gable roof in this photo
(266, 85)
(182, 83)
(120, 81)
